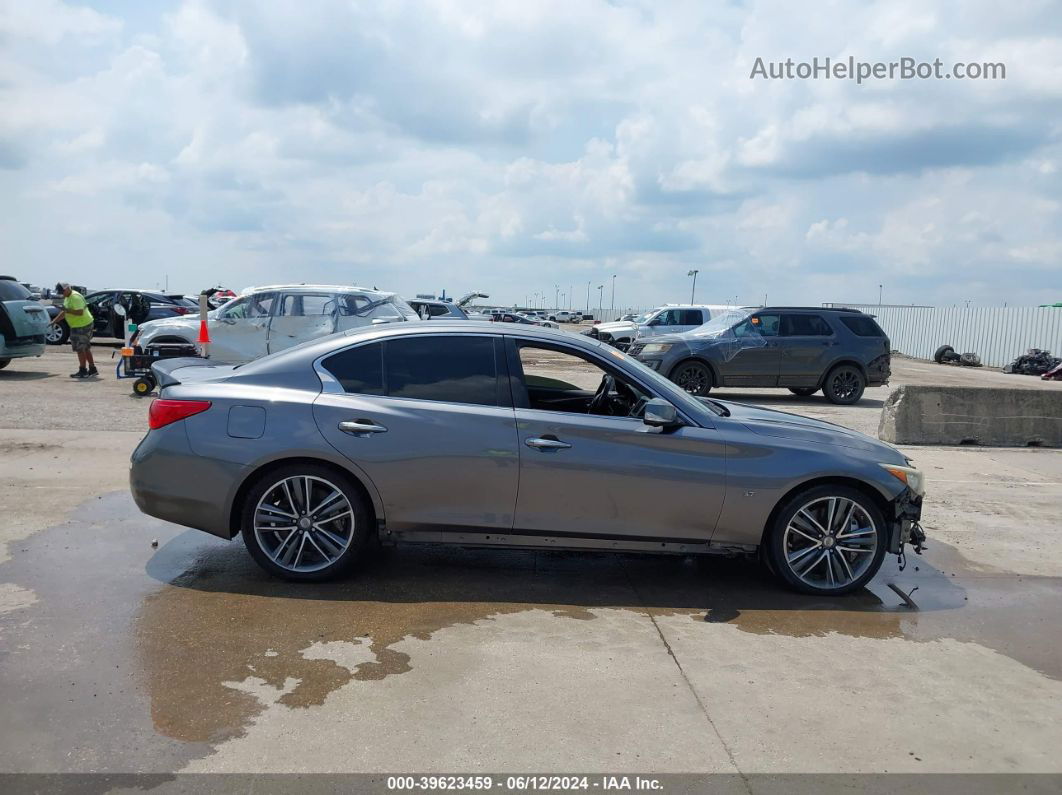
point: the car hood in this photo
(179, 323)
(622, 325)
(783, 425)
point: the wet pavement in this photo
(130, 658)
(118, 656)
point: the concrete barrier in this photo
(954, 415)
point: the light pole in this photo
(571, 296)
(693, 289)
(588, 299)
(613, 310)
(556, 301)
(879, 295)
(600, 302)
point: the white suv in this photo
(269, 319)
(668, 319)
(566, 316)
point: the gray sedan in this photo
(509, 436)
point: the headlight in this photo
(914, 478)
(657, 347)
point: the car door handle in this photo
(547, 443)
(359, 427)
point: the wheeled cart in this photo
(136, 363)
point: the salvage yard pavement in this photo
(119, 656)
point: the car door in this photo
(300, 317)
(749, 356)
(429, 419)
(805, 346)
(240, 332)
(600, 476)
(99, 306)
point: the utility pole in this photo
(693, 289)
(613, 310)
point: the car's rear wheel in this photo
(804, 391)
(694, 377)
(844, 385)
(305, 522)
(57, 333)
(828, 540)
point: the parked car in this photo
(145, 305)
(464, 433)
(804, 349)
(518, 317)
(269, 319)
(566, 316)
(437, 310)
(669, 319)
(23, 322)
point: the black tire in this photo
(694, 377)
(4, 363)
(804, 391)
(844, 385)
(785, 558)
(143, 386)
(942, 351)
(357, 531)
(57, 334)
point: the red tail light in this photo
(163, 412)
(181, 310)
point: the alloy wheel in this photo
(830, 542)
(845, 384)
(693, 379)
(53, 334)
(304, 523)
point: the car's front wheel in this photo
(694, 377)
(828, 540)
(57, 333)
(305, 522)
(844, 385)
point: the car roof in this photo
(818, 309)
(313, 288)
(311, 351)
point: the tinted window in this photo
(805, 326)
(450, 369)
(691, 317)
(359, 370)
(11, 290)
(758, 326)
(862, 326)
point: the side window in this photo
(805, 326)
(691, 317)
(758, 326)
(545, 368)
(359, 370)
(306, 304)
(456, 369)
(862, 326)
(261, 305)
(352, 304)
(434, 310)
(235, 309)
(100, 301)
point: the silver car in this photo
(515, 436)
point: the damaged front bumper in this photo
(904, 527)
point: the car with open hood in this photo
(265, 320)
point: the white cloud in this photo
(511, 146)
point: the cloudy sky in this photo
(514, 146)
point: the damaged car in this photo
(510, 436)
(23, 322)
(265, 320)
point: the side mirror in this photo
(661, 414)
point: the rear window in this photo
(10, 290)
(447, 369)
(862, 326)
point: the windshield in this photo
(721, 323)
(664, 386)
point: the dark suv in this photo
(840, 351)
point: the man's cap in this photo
(60, 286)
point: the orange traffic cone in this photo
(204, 335)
